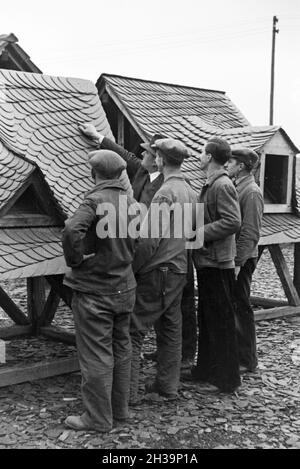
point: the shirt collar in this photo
(154, 175)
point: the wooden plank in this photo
(267, 302)
(121, 130)
(273, 313)
(44, 369)
(14, 331)
(56, 281)
(297, 267)
(57, 333)
(284, 275)
(35, 300)
(12, 310)
(27, 220)
(140, 131)
(50, 308)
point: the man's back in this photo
(109, 270)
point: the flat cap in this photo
(106, 163)
(245, 155)
(172, 148)
(149, 146)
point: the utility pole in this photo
(275, 30)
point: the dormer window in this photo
(276, 182)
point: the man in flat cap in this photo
(217, 365)
(160, 265)
(103, 285)
(146, 181)
(240, 168)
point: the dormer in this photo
(277, 173)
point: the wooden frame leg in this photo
(12, 310)
(50, 308)
(297, 267)
(56, 281)
(284, 274)
(35, 300)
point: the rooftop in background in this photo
(190, 114)
(13, 57)
(153, 105)
(193, 115)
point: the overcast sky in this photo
(216, 44)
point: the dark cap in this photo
(106, 163)
(172, 148)
(148, 146)
(245, 155)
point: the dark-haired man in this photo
(217, 361)
(240, 166)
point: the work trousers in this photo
(104, 353)
(217, 359)
(158, 299)
(244, 315)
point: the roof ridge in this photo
(11, 37)
(176, 85)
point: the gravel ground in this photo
(265, 413)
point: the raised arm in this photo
(133, 162)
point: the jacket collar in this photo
(244, 181)
(106, 184)
(216, 175)
(177, 174)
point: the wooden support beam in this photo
(12, 310)
(121, 129)
(45, 369)
(297, 267)
(267, 302)
(56, 281)
(284, 274)
(14, 331)
(35, 300)
(57, 333)
(50, 308)
(273, 313)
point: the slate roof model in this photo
(13, 57)
(193, 115)
(154, 107)
(39, 137)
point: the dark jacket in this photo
(109, 271)
(222, 220)
(252, 209)
(139, 177)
